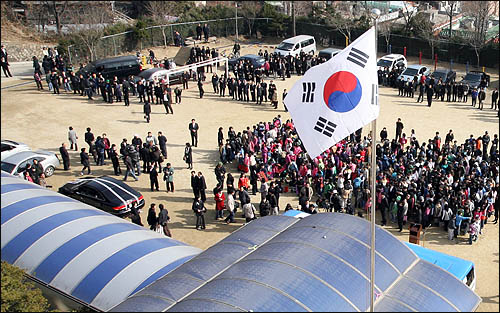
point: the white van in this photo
(293, 46)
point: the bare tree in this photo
(343, 18)
(479, 12)
(450, 11)
(424, 30)
(157, 10)
(385, 29)
(408, 15)
(57, 9)
(249, 11)
(88, 24)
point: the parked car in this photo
(441, 73)
(17, 163)
(158, 73)
(413, 70)
(391, 61)
(105, 193)
(328, 53)
(10, 147)
(293, 46)
(257, 61)
(121, 67)
(473, 78)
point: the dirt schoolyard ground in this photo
(41, 120)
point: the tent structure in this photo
(317, 263)
(275, 263)
(78, 250)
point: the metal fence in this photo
(160, 35)
(326, 36)
(446, 51)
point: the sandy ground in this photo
(41, 120)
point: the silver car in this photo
(10, 147)
(17, 163)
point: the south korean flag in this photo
(336, 98)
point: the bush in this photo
(18, 293)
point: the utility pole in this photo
(293, 19)
(236, 18)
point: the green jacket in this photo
(168, 175)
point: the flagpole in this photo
(375, 14)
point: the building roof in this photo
(79, 250)
(317, 263)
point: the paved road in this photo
(22, 75)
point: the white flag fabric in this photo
(336, 98)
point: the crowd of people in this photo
(428, 87)
(430, 182)
(427, 182)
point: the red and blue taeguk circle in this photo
(342, 92)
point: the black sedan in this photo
(105, 193)
(445, 75)
(475, 78)
(257, 61)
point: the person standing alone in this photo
(193, 129)
(399, 129)
(430, 93)
(65, 156)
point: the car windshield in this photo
(384, 63)
(90, 68)
(7, 167)
(472, 77)
(410, 72)
(439, 75)
(285, 46)
(6, 147)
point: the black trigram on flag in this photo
(374, 94)
(358, 57)
(308, 89)
(325, 127)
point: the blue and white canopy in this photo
(84, 252)
(317, 263)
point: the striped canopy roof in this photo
(84, 252)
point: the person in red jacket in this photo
(219, 204)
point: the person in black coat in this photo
(141, 90)
(199, 210)
(188, 155)
(136, 217)
(162, 141)
(206, 32)
(114, 159)
(84, 159)
(194, 184)
(198, 32)
(4, 61)
(153, 178)
(193, 130)
(383, 134)
(430, 93)
(65, 156)
(54, 79)
(202, 186)
(152, 219)
(147, 111)
(200, 88)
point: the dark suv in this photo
(122, 67)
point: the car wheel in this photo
(49, 171)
